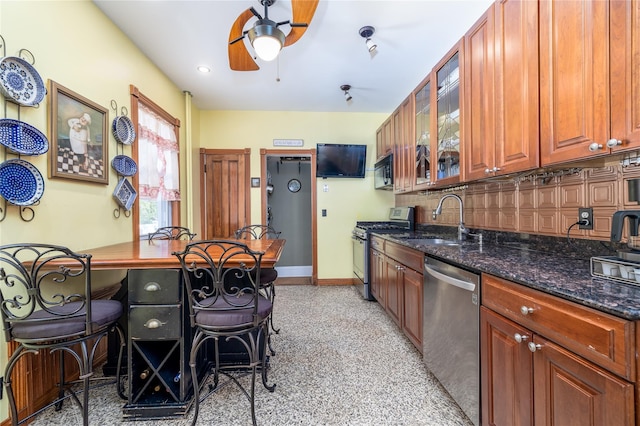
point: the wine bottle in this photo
(145, 373)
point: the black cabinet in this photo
(159, 339)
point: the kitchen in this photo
(552, 209)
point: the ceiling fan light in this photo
(267, 40)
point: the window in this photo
(158, 177)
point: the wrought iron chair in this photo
(268, 275)
(42, 309)
(225, 305)
(171, 233)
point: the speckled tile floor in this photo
(340, 361)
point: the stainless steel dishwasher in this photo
(451, 332)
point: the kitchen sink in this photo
(432, 242)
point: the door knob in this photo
(612, 143)
(525, 310)
(595, 147)
(520, 337)
(533, 347)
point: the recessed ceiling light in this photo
(204, 69)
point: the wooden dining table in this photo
(158, 254)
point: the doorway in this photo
(288, 206)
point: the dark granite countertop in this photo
(549, 266)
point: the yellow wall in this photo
(346, 201)
(75, 45)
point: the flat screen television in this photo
(340, 160)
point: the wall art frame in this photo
(78, 136)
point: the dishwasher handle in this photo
(465, 285)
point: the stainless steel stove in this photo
(401, 219)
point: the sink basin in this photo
(433, 242)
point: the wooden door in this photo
(506, 372)
(480, 142)
(376, 275)
(394, 291)
(574, 79)
(412, 307)
(625, 73)
(517, 116)
(224, 186)
(571, 391)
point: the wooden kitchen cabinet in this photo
(589, 57)
(384, 138)
(447, 102)
(422, 153)
(403, 148)
(547, 361)
(405, 288)
(501, 89)
(377, 270)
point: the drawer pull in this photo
(152, 286)
(154, 323)
(534, 346)
(524, 310)
(520, 337)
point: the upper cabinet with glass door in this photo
(422, 164)
(447, 99)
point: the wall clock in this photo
(294, 185)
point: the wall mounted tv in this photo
(340, 160)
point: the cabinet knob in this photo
(520, 337)
(595, 147)
(525, 310)
(533, 347)
(152, 286)
(612, 143)
(154, 323)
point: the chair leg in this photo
(264, 343)
(119, 379)
(8, 383)
(273, 298)
(60, 382)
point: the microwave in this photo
(383, 173)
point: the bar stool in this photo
(41, 309)
(221, 283)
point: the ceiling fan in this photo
(265, 36)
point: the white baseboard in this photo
(294, 271)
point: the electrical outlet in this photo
(585, 214)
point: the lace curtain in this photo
(159, 177)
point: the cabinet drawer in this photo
(152, 322)
(377, 243)
(599, 337)
(154, 286)
(409, 257)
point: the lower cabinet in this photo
(397, 284)
(529, 379)
(159, 339)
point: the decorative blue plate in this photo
(20, 182)
(125, 166)
(22, 138)
(20, 81)
(123, 130)
(125, 194)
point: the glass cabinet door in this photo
(423, 135)
(448, 119)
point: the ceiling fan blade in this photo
(239, 57)
(303, 11)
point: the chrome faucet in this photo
(461, 229)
